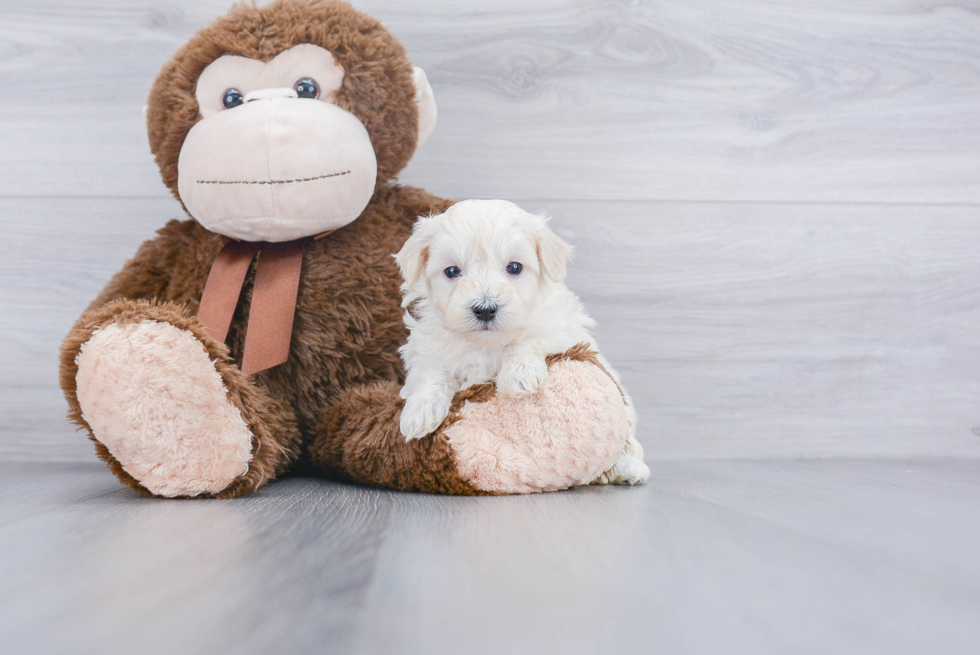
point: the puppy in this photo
(485, 300)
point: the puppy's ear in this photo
(553, 252)
(414, 255)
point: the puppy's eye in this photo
(232, 98)
(514, 268)
(452, 272)
(307, 88)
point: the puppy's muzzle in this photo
(484, 313)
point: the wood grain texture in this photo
(775, 206)
(741, 330)
(734, 557)
(676, 100)
(288, 568)
(55, 256)
(790, 330)
(744, 329)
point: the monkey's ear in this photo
(426, 102)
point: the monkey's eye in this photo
(307, 88)
(452, 272)
(233, 98)
(514, 268)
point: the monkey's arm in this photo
(172, 266)
(147, 279)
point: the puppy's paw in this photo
(633, 448)
(423, 413)
(522, 376)
(627, 471)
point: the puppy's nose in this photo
(484, 313)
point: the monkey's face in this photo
(280, 121)
(273, 158)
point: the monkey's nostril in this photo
(484, 313)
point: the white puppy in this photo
(485, 300)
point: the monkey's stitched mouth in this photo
(304, 179)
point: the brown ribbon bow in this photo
(270, 318)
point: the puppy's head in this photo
(481, 266)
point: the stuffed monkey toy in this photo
(261, 335)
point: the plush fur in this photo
(271, 421)
(336, 398)
(566, 435)
(348, 323)
(359, 441)
(157, 401)
(377, 86)
(347, 329)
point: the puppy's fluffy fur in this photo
(485, 300)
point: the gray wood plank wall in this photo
(776, 204)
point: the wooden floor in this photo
(710, 557)
(776, 209)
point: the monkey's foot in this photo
(152, 396)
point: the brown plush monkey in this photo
(268, 325)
